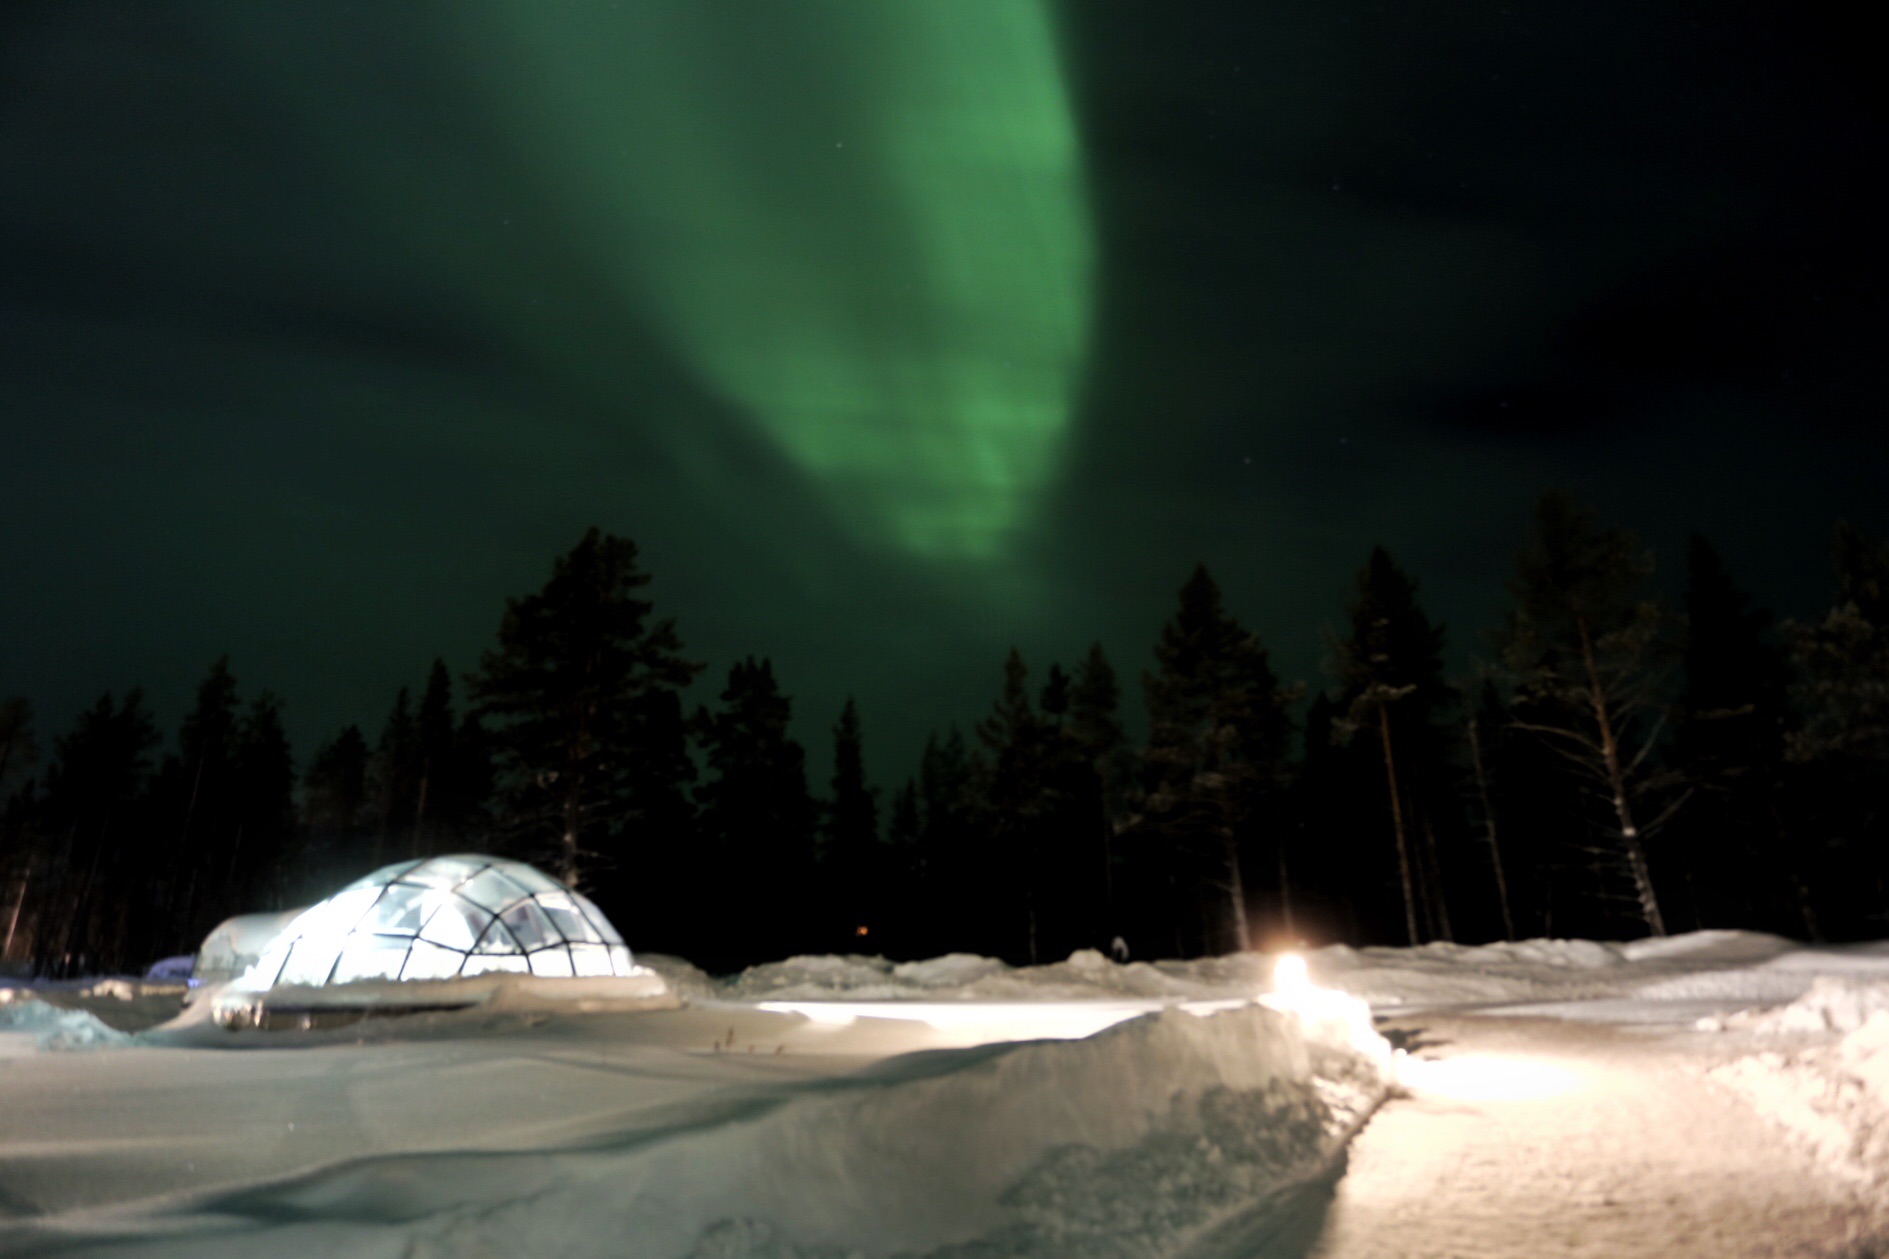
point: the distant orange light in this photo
(859, 931)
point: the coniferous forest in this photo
(1609, 766)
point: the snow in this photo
(1687, 975)
(853, 1106)
(1830, 1089)
(1137, 1141)
(27, 1023)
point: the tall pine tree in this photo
(1840, 753)
(1731, 842)
(1586, 651)
(855, 874)
(582, 697)
(1392, 693)
(758, 823)
(98, 874)
(194, 792)
(1215, 763)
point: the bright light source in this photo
(1289, 976)
(1485, 1078)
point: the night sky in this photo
(898, 333)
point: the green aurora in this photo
(863, 224)
(899, 332)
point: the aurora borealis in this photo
(861, 224)
(898, 333)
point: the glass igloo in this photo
(443, 918)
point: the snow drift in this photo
(1832, 1094)
(1145, 1140)
(48, 1027)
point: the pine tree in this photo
(1342, 888)
(194, 790)
(953, 848)
(855, 874)
(1840, 753)
(1584, 649)
(1216, 756)
(1018, 743)
(1094, 727)
(337, 822)
(471, 782)
(263, 791)
(19, 753)
(907, 877)
(1729, 744)
(758, 818)
(396, 780)
(1390, 671)
(583, 699)
(434, 808)
(94, 815)
(1484, 722)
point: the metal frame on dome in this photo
(443, 918)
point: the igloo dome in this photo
(438, 919)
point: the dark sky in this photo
(897, 334)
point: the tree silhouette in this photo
(581, 694)
(757, 818)
(857, 877)
(1390, 673)
(1217, 744)
(1585, 652)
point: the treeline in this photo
(1612, 767)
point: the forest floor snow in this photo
(1721, 1093)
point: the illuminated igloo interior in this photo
(443, 918)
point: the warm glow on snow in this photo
(1485, 1078)
(988, 1020)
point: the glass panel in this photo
(491, 890)
(369, 957)
(310, 960)
(551, 963)
(528, 923)
(567, 918)
(532, 880)
(429, 961)
(479, 965)
(590, 960)
(336, 916)
(456, 924)
(445, 871)
(401, 909)
(620, 963)
(597, 920)
(496, 939)
(262, 972)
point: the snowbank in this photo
(1832, 1094)
(1723, 966)
(24, 1016)
(1834, 1098)
(1833, 1004)
(1141, 1141)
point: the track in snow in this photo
(1625, 1150)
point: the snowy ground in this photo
(1720, 1093)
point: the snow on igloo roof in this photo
(443, 918)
